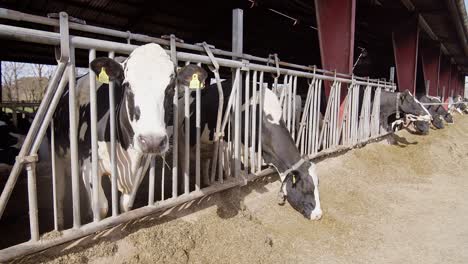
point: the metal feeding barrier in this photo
(229, 163)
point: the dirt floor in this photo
(404, 203)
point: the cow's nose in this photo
(155, 144)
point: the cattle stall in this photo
(317, 127)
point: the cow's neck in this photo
(387, 106)
(283, 153)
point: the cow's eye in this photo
(137, 113)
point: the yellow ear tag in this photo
(195, 83)
(294, 179)
(103, 77)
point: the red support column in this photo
(461, 81)
(405, 48)
(335, 20)
(430, 56)
(453, 80)
(444, 78)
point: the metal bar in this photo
(175, 137)
(32, 200)
(163, 177)
(246, 121)
(317, 113)
(260, 125)
(289, 105)
(237, 129)
(152, 176)
(54, 178)
(310, 123)
(254, 122)
(198, 135)
(294, 108)
(187, 139)
(315, 110)
(113, 150)
(48, 116)
(94, 145)
(237, 47)
(15, 171)
(306, 107)
(74, 140)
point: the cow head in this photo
(301, 189)
(448, 117)
(438, 121)
(410, 105)
(144, 77)
(421, 127)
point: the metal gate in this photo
(231, 164)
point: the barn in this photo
(156, 112)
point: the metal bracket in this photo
(245, 65)
(168, 37)
(27, 159)
(70, 18)
(204, 44)
(64, 38)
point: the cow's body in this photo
(392, 104)
(143, 85)
(278, 147)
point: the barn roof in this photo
(265, 31)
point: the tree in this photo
(41, 74)
(11, 73)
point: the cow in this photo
(143, 84)
(405, 105)
(438, 112)
(298, 176)
(460, 104)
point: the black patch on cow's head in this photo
(169, 103)
(437, 121)
(448, 118)
(113, 69)
(421, 127)
(300, 190)
(409, 105)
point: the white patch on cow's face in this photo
(272, 107)
(2, 123)
(148, 71)
(317, 212)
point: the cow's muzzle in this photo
(153, 144)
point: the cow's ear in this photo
(193, 76)
(109, 67)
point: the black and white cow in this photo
(405, 104)
(298, 176)
(459, 104)
(142, 84)
(438, 112)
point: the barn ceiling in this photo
(295, 39)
